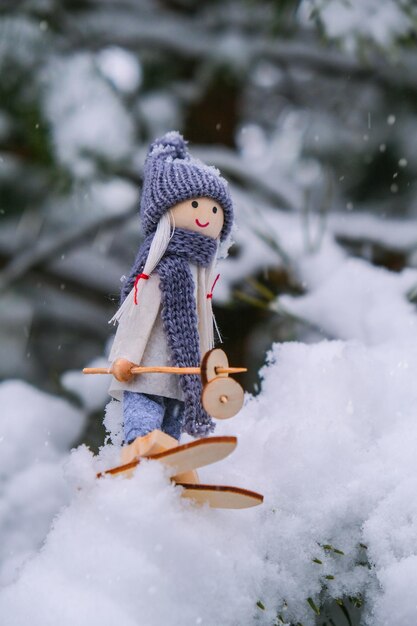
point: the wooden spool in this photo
(213, 361)
(222, 397)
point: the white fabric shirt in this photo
(140, 337)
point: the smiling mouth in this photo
(201, 225)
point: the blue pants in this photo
(144, 413)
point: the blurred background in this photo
(307, 107)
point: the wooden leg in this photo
(149, 444)
(187, 478)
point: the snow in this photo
(86, 116)
(329, 441)
(35, 432)
(342, 411)
(121, 68)
(381, 22)
(91, 390)
(159, 110)
(113, 196)
(399, 583)
(390, 233)
(154, 543)
(358, 301)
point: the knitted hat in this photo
(171, 175)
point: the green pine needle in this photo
(313, 606)
(261, 289)
(345, 612)
(328, 547)
(244, 297)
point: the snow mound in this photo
(129, 552)
(35, 431)
(329, 442)
(358, 301)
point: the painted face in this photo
(202, 215)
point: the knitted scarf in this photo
(179, 313)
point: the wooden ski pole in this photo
(165, 370)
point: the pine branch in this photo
(46, 251)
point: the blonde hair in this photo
(163, 235)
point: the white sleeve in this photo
(135, 325)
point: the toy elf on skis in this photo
(166, 319)
(166, 314)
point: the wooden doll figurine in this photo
(166, 317)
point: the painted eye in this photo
(194, 204)
(214, 209)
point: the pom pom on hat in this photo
(171, 175)
(171, 144)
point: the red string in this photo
(210, 295)
(137, 279)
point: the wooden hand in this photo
(122, 370)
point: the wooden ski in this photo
(221, 496)
(184, 458)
